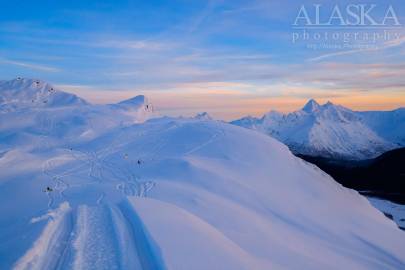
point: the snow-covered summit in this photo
(32, 93)
(135, 102)
(332, 130)
(203, 116)
(311, 106)
(139, 107)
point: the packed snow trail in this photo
(90, 237)
(94, 246)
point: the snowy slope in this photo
(195, 202)
(181, 194)
(333, 131)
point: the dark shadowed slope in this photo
(383, 176)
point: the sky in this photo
(228, 58)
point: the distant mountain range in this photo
(333, 131)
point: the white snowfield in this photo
(333, 131)
(173, 194)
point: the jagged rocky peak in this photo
(203, 116)
(311, 106)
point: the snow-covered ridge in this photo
(135, 103)
(31, 93)
(203, 116)
(333, 131)
(30, 107)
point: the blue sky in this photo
(229, 58)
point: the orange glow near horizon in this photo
(232, 104)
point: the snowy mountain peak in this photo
(135, 101)
(273, 114)
(22, 93)
(203, 116)
(139, 107)
(311, 106)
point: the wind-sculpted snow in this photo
(333, 131)
(51, 241)
(180, 194)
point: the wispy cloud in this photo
(135, 44)
(385, 45)
(33, 66)
(339, 53)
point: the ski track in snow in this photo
(94, 243)
(93, 237)
(87, 234)
(210, 140)
(95, 164)
(46, 250)
(88, 237)
(216, 136)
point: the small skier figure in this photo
(48, 189)
(139, 162)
